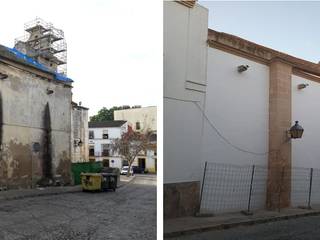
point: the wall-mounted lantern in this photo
(78, 143)
(243, 68)
(296, 131)
(302, 86)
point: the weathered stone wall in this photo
(181, 199)
(80, 131)
(24, 100)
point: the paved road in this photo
(128, 213)
(305, 228)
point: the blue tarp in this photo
(40, 66)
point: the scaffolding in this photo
(46, 41)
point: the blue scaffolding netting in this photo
(40, 66)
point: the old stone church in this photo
(35, 110)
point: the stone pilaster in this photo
(279, 159)
(181, 199)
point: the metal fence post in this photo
(203, 179)
(310, 188)
(248, 212)
(251, 183)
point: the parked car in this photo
(124, 170)
(137, 169)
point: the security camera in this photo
(243, 68)
(303, 85)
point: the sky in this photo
(115, 52)
(112, 56)
(290, 27)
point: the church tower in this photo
(45, 44)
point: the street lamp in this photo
(296, 130)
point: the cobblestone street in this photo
(128, 213)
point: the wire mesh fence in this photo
(231, 188)
(315, 188)
(300, 187)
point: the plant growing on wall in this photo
(131, 144)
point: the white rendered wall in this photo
(114, 161)
(238, 106)
(305, 151)
(150, 160)
(305, 109)
(185, 57)
(113, 132)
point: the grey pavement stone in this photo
(194, 225)
(304, 228)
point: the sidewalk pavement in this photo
(190, 225)
(124, 179)
(36, 192)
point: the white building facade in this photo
(185, 56)
(142, 119)
(139, 118)
(101, 136)
(217, 114)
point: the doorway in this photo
(142, 163)
(91, 151)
